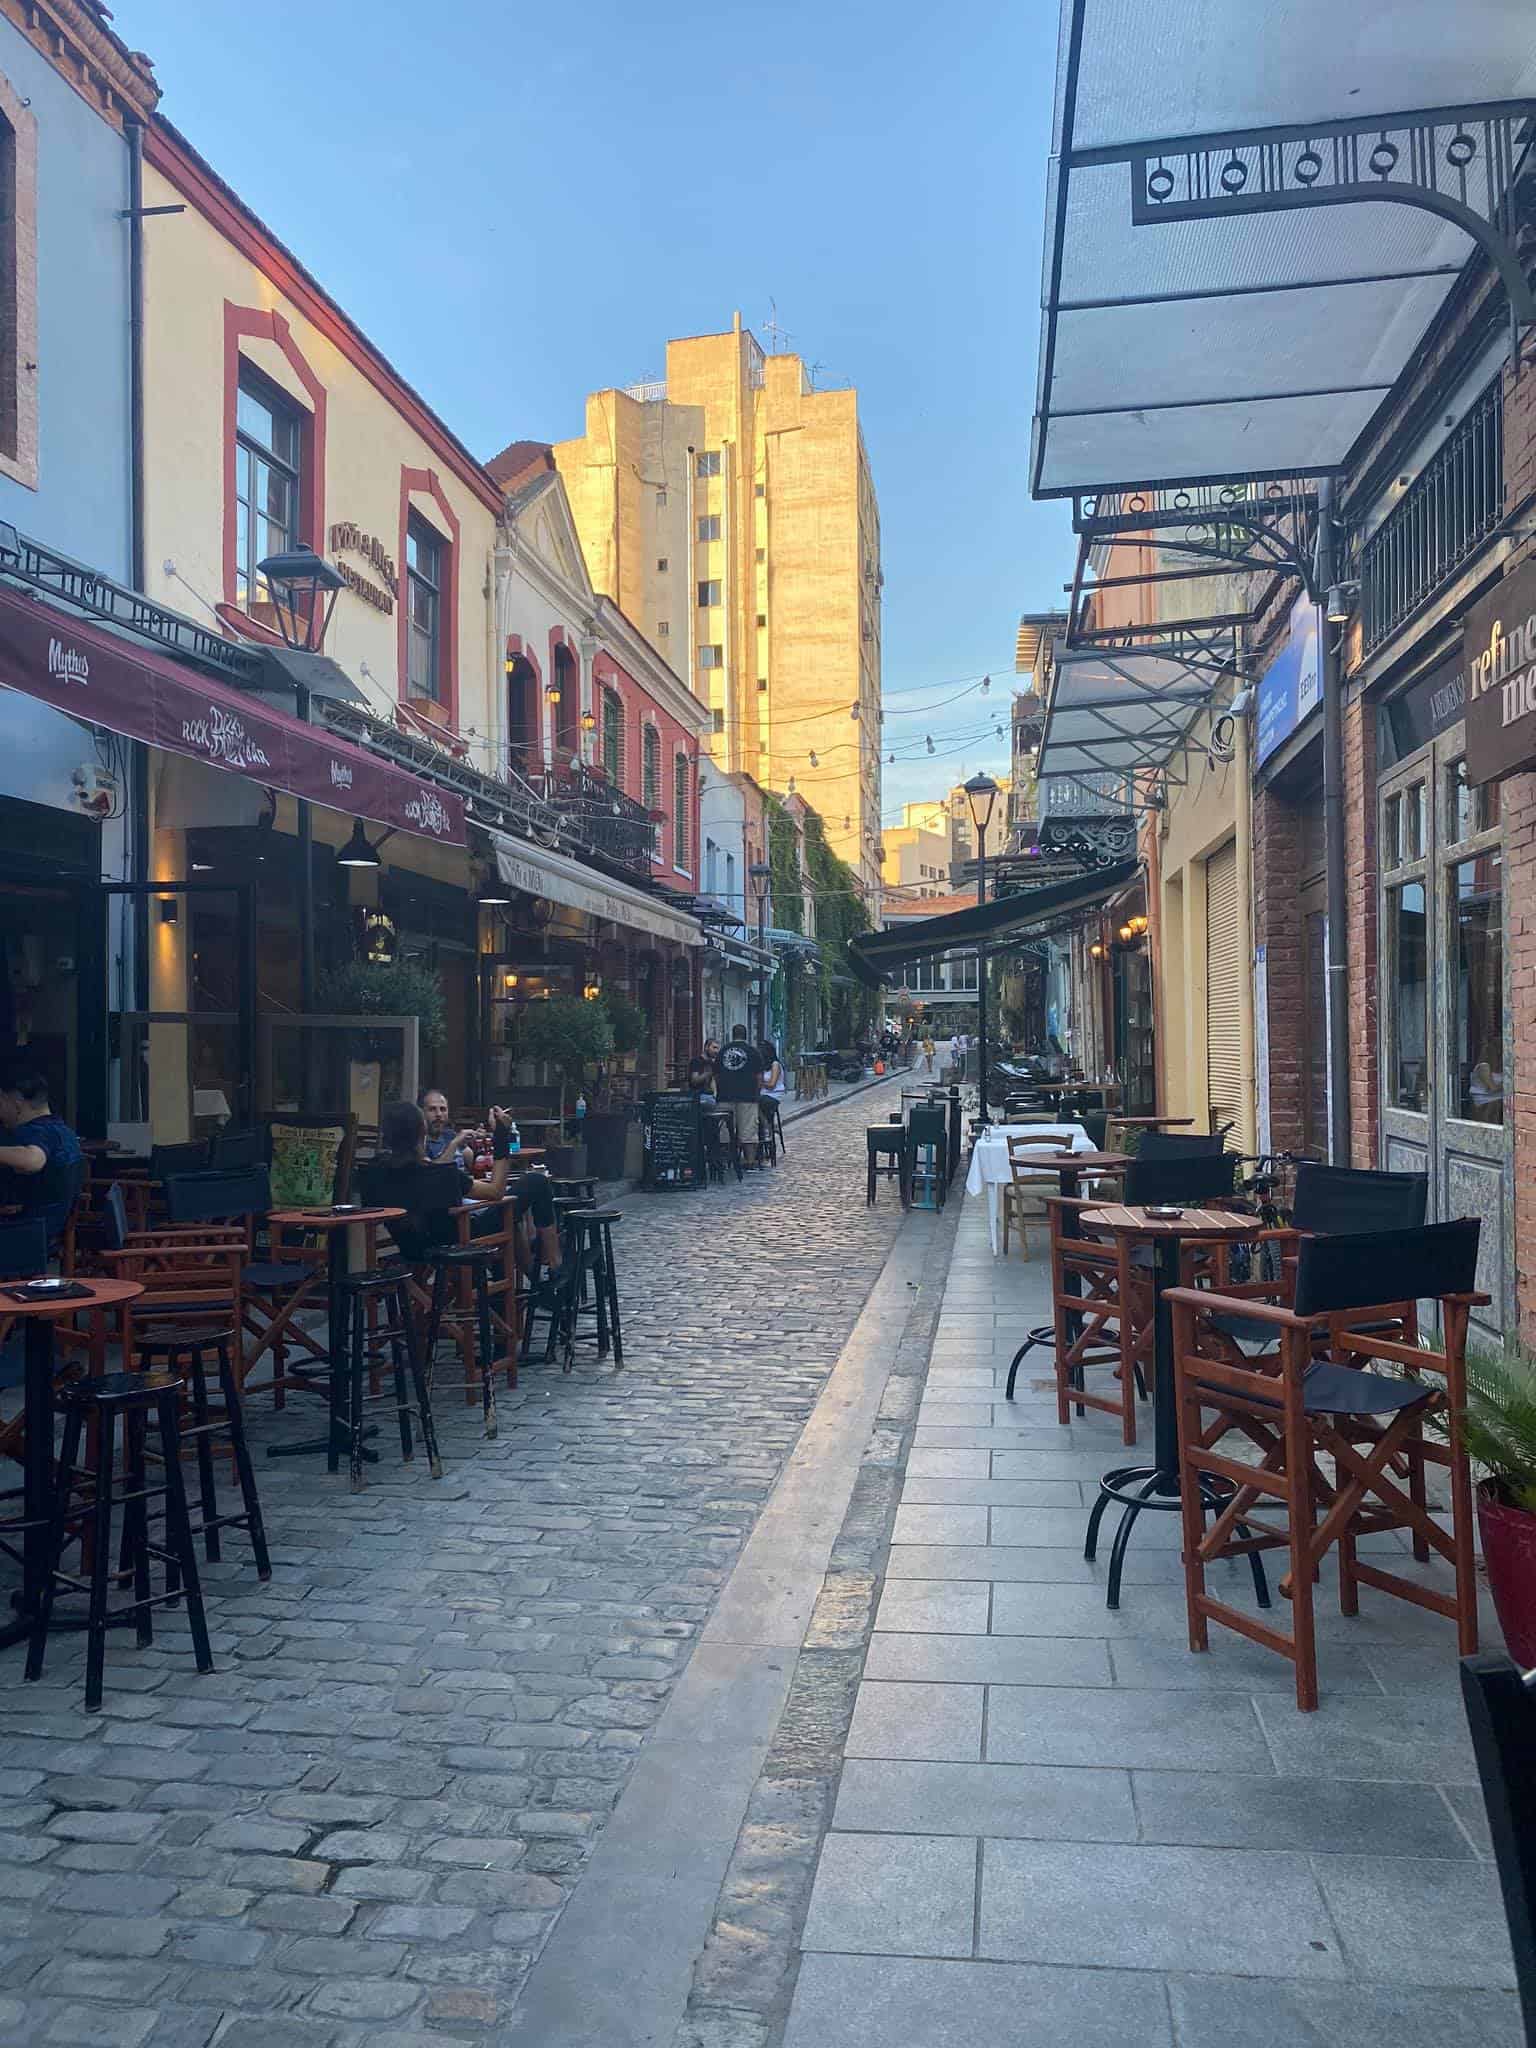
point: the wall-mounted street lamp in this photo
(300, 581)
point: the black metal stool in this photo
(552, 1292)
(100, 1402)
(480, 1262)
(389, 1289)
(882, 1142)
(182, 1353)
(770, 1131)
(592, 1232)
(582, 1189)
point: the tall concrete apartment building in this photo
(730, 512)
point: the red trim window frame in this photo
(260, 323)
(425, 483)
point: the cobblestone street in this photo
(365, 1822)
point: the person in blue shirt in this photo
(37, 1148)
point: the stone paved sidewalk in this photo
(1056, 1827)
(363, 1825)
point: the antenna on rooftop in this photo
(776, 334)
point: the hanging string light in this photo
(928, 743)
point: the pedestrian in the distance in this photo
(738, 1078)
(928, 1052)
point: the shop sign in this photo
(1501, 679)
(1292, 685)
(348, 537)
(1422, 712)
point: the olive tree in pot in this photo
(569, 1034)
(1500, 1434)
(610, 1132)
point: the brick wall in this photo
(1277, 927)
(1360, 873)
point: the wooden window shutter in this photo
(1224, 969)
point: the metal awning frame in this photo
(1461, 163)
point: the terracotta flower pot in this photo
(1509, 1551)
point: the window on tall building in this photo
(661, 501)
(759, 491)
(269, 440)
(717, 721)
(663, 629)
(680, 810)
(762, 618)
(708, 463)
(709, 594)
(425, 559)
(613, 738)
(762, 554)
(762, 682)
(661, 565)
(709, 526)
(712, 656)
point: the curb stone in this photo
(745, 1976)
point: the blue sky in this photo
(520, 204)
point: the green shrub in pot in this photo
(1499, 1429)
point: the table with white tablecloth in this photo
(991, 1170)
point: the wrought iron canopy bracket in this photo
(1095, 842)
(1462, 163)
(1203, 646)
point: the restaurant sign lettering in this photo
(348, 536)
(1501, 678)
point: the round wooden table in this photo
(347, 1233)
(38, 1319)
(1073, 1165)
(1136, 1487)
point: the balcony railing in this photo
(1452, 505)
(592, 810)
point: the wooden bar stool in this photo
(83, 1497)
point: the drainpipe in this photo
(138, 753)
(1333, 833)
(1246, 1032)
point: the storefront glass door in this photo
(186, 1063)
(1445, 1055)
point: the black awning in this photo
(986, 928)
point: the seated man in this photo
(402, 1144)
(443, 1141)
(39, 1151)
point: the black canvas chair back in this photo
(1330, 1199)
(1187, 1182)
(234, 1150)
(1360, 1269)
(114, 1211)
(217, 1197)
(165, 1160)
(1180, 1144)
(425, 1192)
(23, 1249)
(929, 1127)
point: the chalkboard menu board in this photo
(674, 1142)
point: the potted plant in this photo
(567, 1033)
(1500, 1432)
(631, 1029)
(381, 988)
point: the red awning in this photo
(105, 680)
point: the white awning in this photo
(1252, 218)
(1112, 713)
(539, 871)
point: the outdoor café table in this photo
(990, 1166)
(1073, 1165)
(1156, 1485)
(38, 1319)
(349, 1234)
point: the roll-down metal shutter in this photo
(1224, 968)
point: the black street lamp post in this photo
(759, 874)
(303, 588)
(981, 793)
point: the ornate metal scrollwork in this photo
(1462, 163)
(1096, 842)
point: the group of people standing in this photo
(743, 1076)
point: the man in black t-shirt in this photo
(738, 1077)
